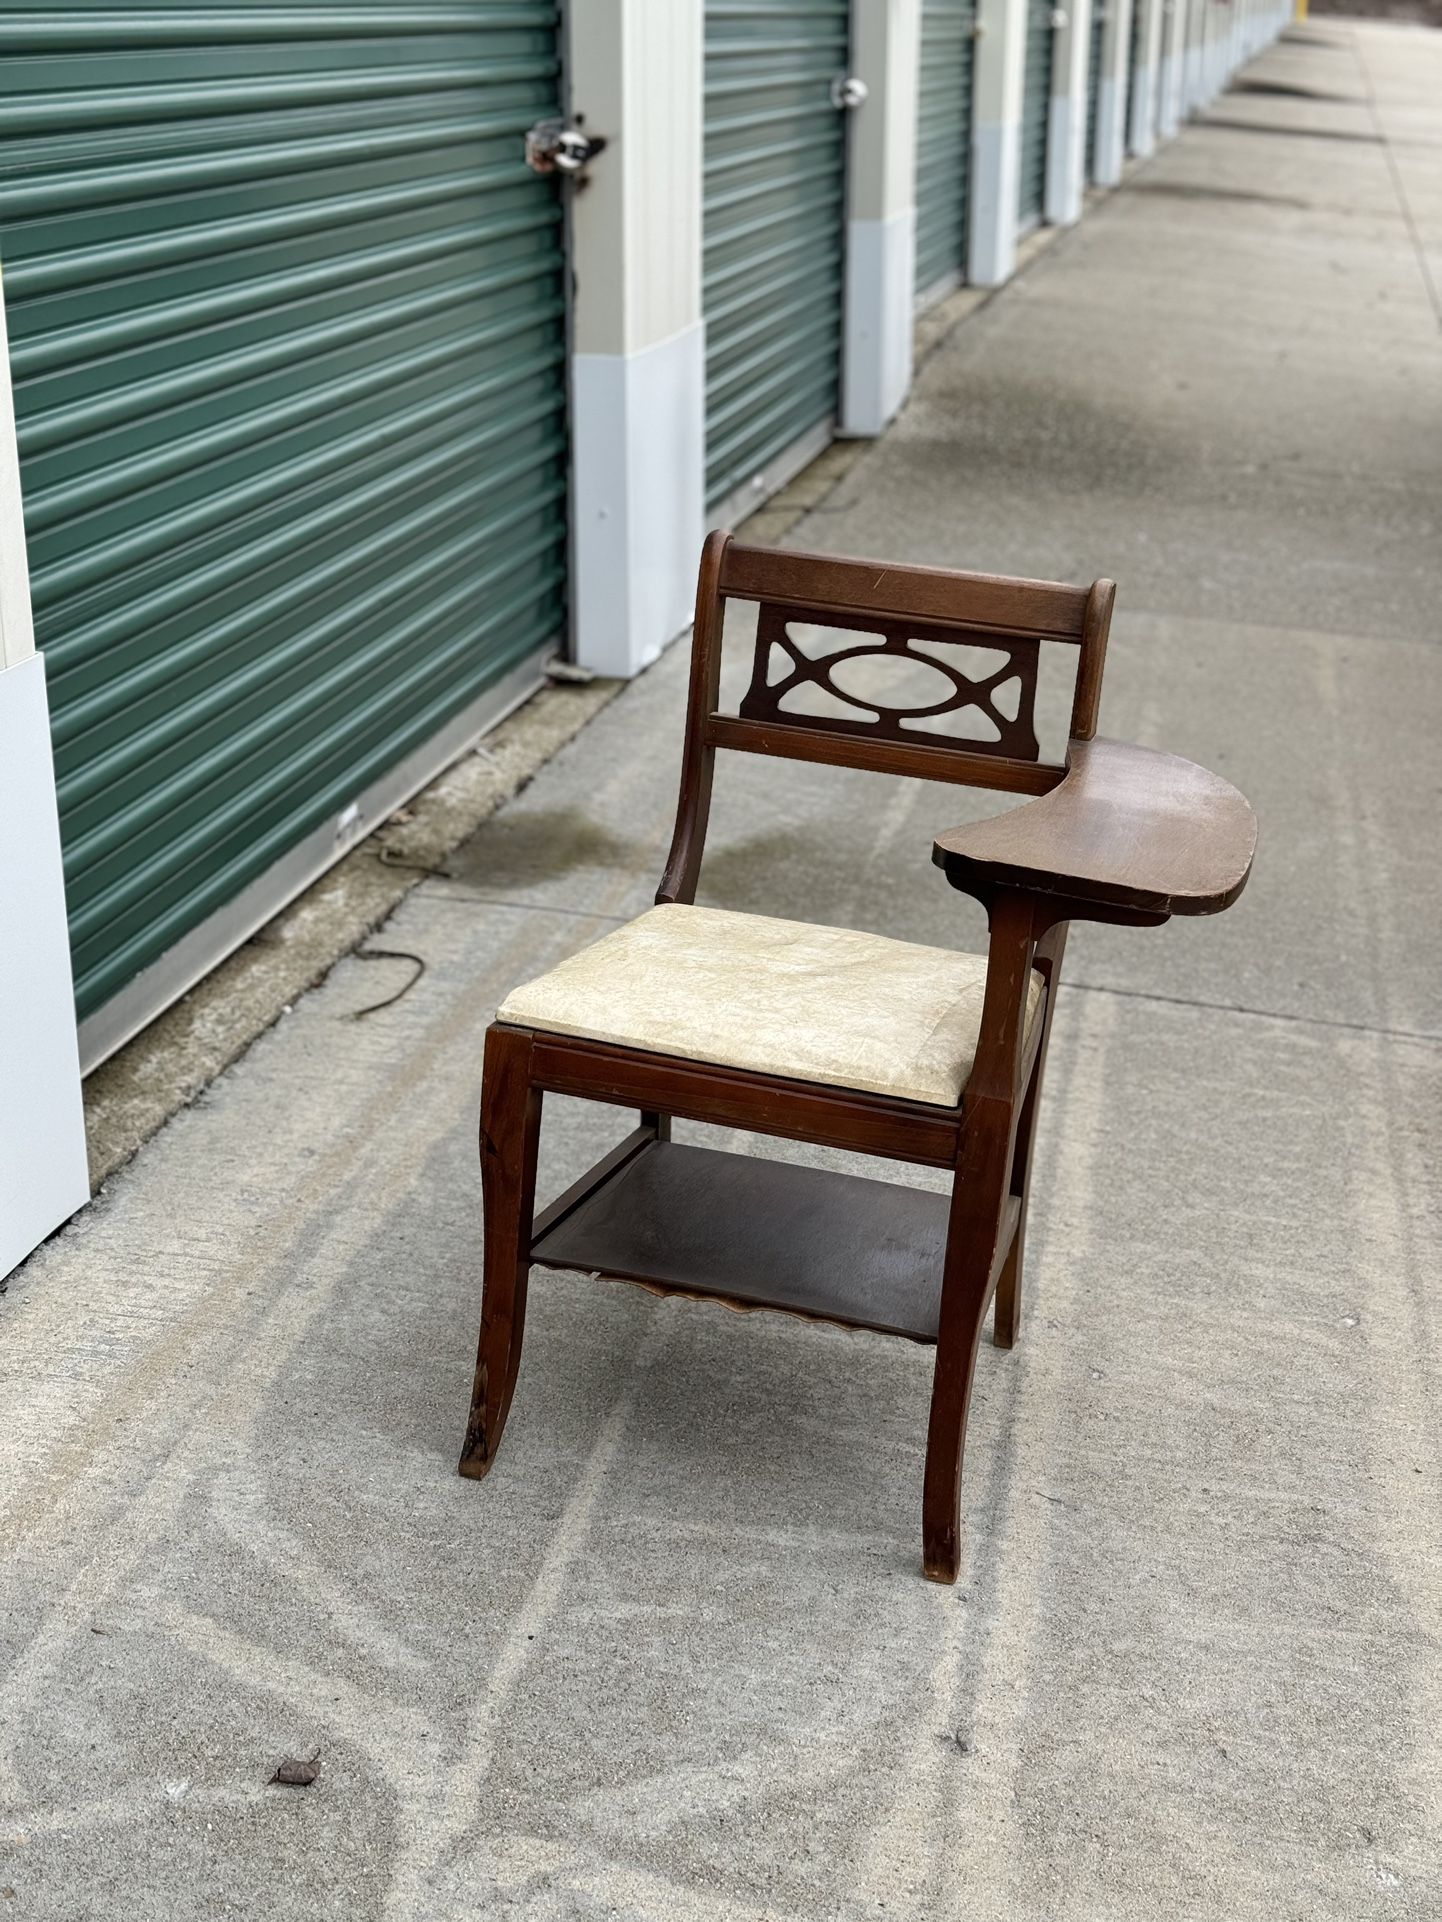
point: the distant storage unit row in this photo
(775, 235)
(296, 361)
(1035, 112)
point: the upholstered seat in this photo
(831, 1005)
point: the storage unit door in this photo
(286, 311)
(774, 228)
(1035, 110)
(1134, 54)
(943, 141)
(1094, 83)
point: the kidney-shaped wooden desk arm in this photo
(1126, 832)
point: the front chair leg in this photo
(972, 1243)
(510, 1134)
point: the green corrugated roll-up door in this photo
(1035, 113)
(1094, 84)
(1134, 54)
(943, 141)
(286, 311)
(774, 229)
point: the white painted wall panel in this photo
(43, 1176)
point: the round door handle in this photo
(848, 92)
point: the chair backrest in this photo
(899, 615)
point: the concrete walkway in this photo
(675, 1661)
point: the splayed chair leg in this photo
(510, 1134)
(972, 1245)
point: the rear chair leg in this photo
(510, 1134)
(1006, 1323)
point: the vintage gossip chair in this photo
(838, 1037)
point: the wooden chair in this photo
(836, 1037)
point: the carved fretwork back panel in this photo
(794, 672)
(832, 633)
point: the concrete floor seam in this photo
(1257, 1014)
(1424, 265)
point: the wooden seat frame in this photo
(1120, 834)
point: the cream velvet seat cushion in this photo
(779, 997)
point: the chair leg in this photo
(510, 1134)
(973, 1233)
(1006, 1322)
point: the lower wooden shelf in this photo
(757, 1234)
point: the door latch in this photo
(554, 148)
(848, 92)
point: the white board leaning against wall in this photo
(43, 1176)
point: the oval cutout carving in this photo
(899, 682)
